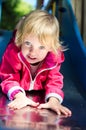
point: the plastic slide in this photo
(4, 39)
(74, 67)
(71, 36)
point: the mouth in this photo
(31, 58)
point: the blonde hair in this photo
(42, 24)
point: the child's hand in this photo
(21, 101)
(54, 105)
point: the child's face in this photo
(33, 50)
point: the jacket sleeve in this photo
(54, 83)
(10, 71)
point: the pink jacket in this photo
(15, 74)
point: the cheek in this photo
(24, 51)
(43, 55)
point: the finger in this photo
(15, 105)
(45, 105)
(64, 111)
(58, 111)
(34, 104)
(12, 104)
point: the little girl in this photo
(31, 64)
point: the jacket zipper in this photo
(33, 81)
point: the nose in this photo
(33, 51)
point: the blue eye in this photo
(27, 43)
(41, 47)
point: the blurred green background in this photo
(12, 11)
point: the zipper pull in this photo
(31, 85)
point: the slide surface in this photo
(74, 67)
(71, 36)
